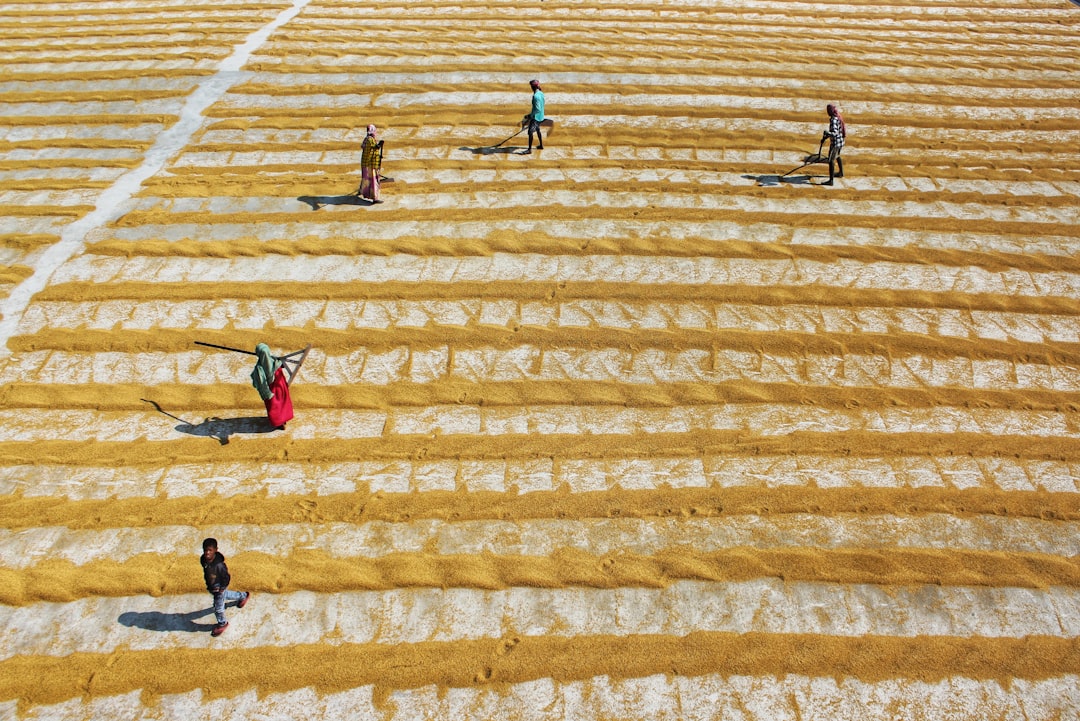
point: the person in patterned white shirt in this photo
(836, 133)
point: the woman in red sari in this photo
(269, 379)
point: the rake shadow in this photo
(157, 621)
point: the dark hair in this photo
(209, 543)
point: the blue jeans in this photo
(220, 598)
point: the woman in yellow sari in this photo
(370, 162)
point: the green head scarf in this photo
(266, 366)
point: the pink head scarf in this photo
(371, 130)
(834, 112)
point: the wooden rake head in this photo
(293, 361)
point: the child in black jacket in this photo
(216, 575)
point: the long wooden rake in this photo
(810, 160)
(291, 361)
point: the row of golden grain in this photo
(626, 428)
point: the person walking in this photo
(836, 133)
(216, 575)
(535, 116)
(268, 378)
(370, 163)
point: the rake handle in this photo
(225, 347)
(510, 138)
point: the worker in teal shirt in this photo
(535, 116)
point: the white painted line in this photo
(111, 203)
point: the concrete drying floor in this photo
(631, 427)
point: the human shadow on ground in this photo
(158, 621)
(493, 149)
(318, 201)
(219, 429)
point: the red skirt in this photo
(279, 408)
